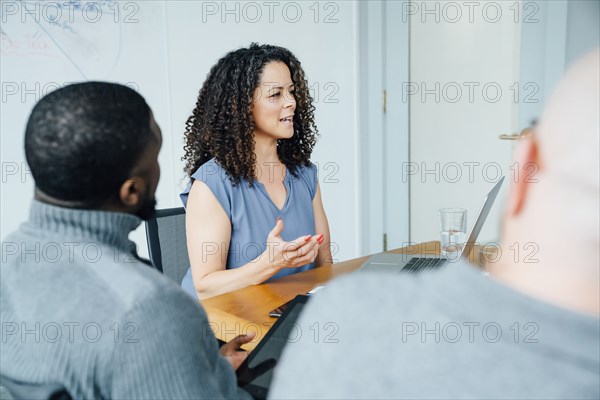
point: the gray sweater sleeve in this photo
(166, 350)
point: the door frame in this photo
(383, 67)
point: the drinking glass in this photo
(453, 230)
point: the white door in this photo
(480, 70)
(464, 73)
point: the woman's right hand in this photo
(281, 254)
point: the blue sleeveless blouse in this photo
(253, 214)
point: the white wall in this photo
(165, 49)
(563, 31)
(583, 28)
(327, 52)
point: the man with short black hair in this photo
(83, 143)
(78, 306)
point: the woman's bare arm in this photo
(322, 226)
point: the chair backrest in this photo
(167, 245)
(20, 390)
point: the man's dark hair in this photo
(83, 141)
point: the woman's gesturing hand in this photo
(301, 251)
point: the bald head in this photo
(553, 214)
(569, 130)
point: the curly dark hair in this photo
(221, 125)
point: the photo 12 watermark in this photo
(15, 172)
(68, 252)
(320, 92)
(452, 12)
(469, 332)
(470, 92)
(32, 92)
(468, 171)
(254, 252)
(315, 331)
(253, 12)
(69, 332)
(491, 252)
(326, 172)
(65, 13)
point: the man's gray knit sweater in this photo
(78, 308)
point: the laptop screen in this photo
(256, 373)
(483, 213)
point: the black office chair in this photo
(11, 389)
(165, 234)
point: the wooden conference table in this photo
(247, 309)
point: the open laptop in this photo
(256, 372)
(407, 263)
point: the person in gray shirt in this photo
(78, 307)
(530, 329)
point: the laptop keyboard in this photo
(417, 264)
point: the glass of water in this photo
(453, 230)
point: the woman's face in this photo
(274, 103)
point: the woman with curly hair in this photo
(253, 205)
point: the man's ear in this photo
(131, 192)
(525, 161)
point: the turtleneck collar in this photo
(109, 228)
